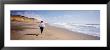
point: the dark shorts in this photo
(41, 28)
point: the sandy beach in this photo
(32, 32)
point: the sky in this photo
(70, 16)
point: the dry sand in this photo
(50, 33)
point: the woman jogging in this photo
(41, 25)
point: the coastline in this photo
(74, 35)
(71, 30)
(50, 33)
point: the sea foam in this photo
(90, 29)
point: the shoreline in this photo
(49, 33)
(71, 30)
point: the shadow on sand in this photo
(32, 34)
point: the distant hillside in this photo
(20, 18)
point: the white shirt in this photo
(42, 25)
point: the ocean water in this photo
(90, 29)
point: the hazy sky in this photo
(72, 16)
